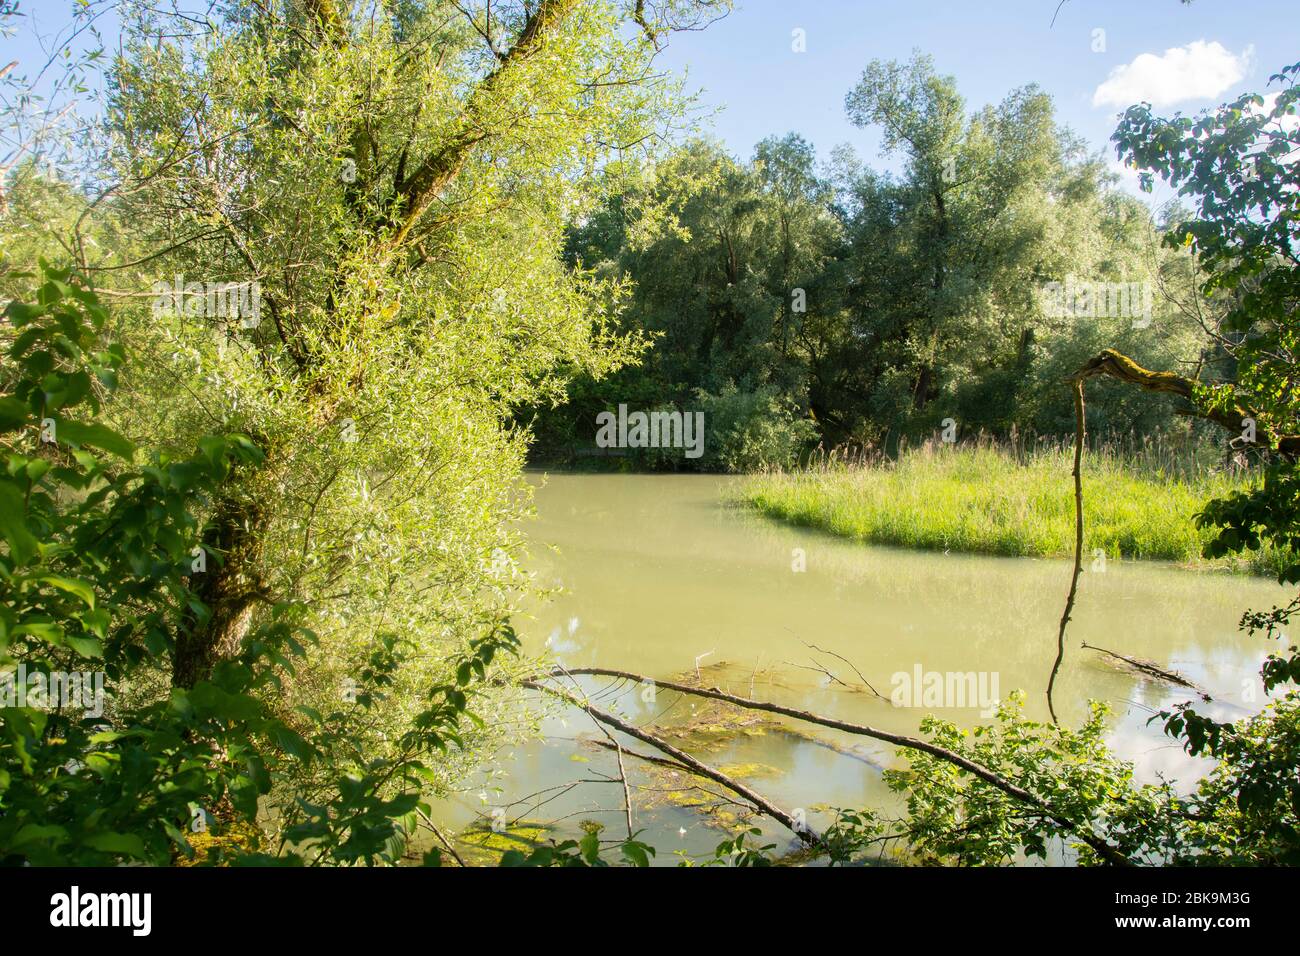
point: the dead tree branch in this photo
(1107, 852)
(1079, 426)
(865, 683)
(1122, 368)
(764, 805)
(424, 817)
(1149, 669)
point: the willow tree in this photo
(388, 183)
(948, 257)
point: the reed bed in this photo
(1013, 498)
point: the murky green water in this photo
(661, 574)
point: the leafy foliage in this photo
(95, 580)
(875, 306)
(98, 579)
(1237, 164)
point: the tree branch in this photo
(1079, 427)
(418, 190)
(802, 831)
(1107, 852)
(1123, 368)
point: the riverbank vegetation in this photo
(1011, 500)
(299, 275)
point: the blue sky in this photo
(745, 64)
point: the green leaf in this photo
(636, 853)
(97, 436)
(13, 524)
(85, 646)
(72, 585)
(14, 414)
(21, 313)
(126, 844)
(42, 631)
(34, 832)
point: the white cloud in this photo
(1198, 71)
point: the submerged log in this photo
(1149, 669)
(1081, 829)
(797, 827)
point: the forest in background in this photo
(801, 302)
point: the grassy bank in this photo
(993, 500)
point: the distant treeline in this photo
(797, 302)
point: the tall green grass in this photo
(1008, 500)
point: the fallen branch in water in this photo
(760, 803)
(817, 668)
(441, 839)
(865, 683)
(673, 765)
(1082, 831)
(647, 758)
(1150, 669)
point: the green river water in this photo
(660, 573)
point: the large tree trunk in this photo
(922, 391)
(230, 587)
